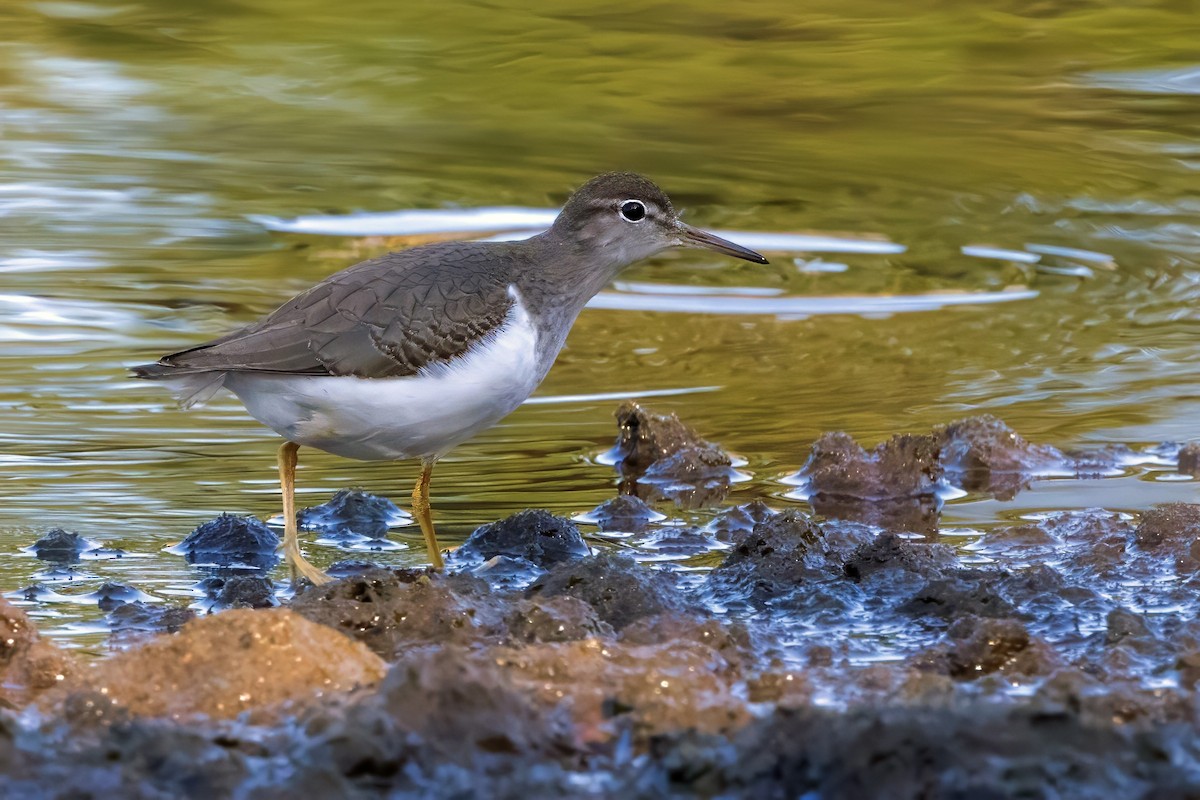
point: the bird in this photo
(409, 354)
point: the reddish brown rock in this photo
(222, 665)
(29, 665)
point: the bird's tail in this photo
(190, 388)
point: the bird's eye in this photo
(632, 210)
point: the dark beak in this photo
(694, 237)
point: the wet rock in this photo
(391, 611)
(625, 513)
(617, 587)
(461, 708)
(975, 647)
(665, 544)
(1167, 523)
(231, 541)
(353, 512)
(112, 594)
(352, 567)
(660, 457)
(61, 547)
(29, 665)
(891, 552)
(224, 664)
(969, 751)
(556, 619)
(962, 593)
(247, 591)
(134, 620)
(904, 466)
(740, 519)
(1189, 459)
(786, 552)
(1123, 624)
(982, 454)
(534, 535)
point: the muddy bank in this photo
(847, 655)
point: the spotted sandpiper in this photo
(412, 353)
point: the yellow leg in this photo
(291, 538)
(420, 505)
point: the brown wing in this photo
(387, 317)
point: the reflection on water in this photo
(1010, 195)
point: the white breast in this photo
(392, 418)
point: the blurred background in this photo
(1050, 146)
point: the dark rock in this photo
(352, 512)
(645, 438)
(1170, 522)
(231, 541)
(133, 620)
(556, 619)
(1122, 624)
(784, 553)
(247, 591)
(892, 552)
(534, 535)
(390, 611)
(112, 594)
(740, 519)
(61, 547)
(966, 591)
(625, 513)
(617, 587)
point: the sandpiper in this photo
(412, 353)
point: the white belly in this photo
(376, 419)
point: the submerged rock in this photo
(112, 594)
(660, 457)
(62, 547)
(138, 619)
(29, 665)
(353, 512)
(625, 513)
(221, 665)
(535, 535)
(247, 591)
(233, 542)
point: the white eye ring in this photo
(632, 210)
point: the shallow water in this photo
(1043, 154)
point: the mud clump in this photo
(391, 611)
(903, 466)
(352, 512)
(964, 592)
(233, 542)
(221, 665)
(246, 591)
(789, 558)
(1189, 459)
(618, 588)
(982, 454)
(29, 665)
(660, 457)
(534, 535)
